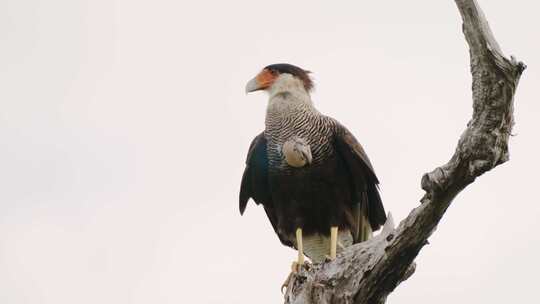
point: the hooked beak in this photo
(306, 151)
(262, 81)
(252, 85)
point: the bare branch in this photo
(368, 272)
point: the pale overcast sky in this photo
(124, 129)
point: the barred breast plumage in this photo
(291, 116)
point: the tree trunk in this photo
(369, 271)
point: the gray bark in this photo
(369, 271)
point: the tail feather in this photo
(363, 228)
(369, 214)
(376, 213)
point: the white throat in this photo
(288, 93)
(287, 83)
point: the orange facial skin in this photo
(265, 79)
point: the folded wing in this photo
(255, 182)
(363, 182)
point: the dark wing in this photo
(255, 183)
(255, 179)
(364, 182)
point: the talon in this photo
(295, 268)
(286, 283)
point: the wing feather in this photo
(255, 183)
(255, 178)
(363, 181)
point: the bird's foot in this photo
(295, 269)
(328, 258)
(289, 281)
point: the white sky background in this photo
(124, 128)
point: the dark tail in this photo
(376, 213)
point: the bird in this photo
(314, 180)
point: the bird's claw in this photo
(328, 258)
(295, 269)
(288, 282)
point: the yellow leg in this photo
(300, 246)
(295, 268)
(333, 242)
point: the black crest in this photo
(282, 68)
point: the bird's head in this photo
(273, 74)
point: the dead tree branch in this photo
(368, 272)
